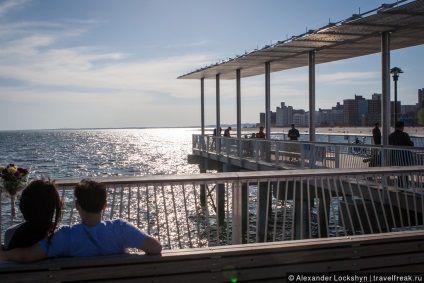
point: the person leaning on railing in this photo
(91, 237)
(400, 138)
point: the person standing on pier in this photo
(293, 133)
(214, 138)
(92, 236)
(401, 157)
(227, 132)
(261, 145)
(400, 138)
(376, 134)
(261, 133)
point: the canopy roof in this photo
(356, 36)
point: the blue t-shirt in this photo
(107, 237)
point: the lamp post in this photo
(395, 71)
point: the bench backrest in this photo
(393, 252)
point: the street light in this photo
(395, 71)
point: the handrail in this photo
(285, 154)
(248, 207)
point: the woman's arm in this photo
(24, 255)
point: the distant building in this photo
(420, 98)
(351, 113)
(301, 119)
(366, 112)
(284, 115)
(374, 110)
(331, 117)
(262, 118)
(409, 110)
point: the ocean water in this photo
(99, 152)
(86, 153)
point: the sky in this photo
(115, 63)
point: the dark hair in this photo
(41, 207)
(91, 195)
(399, 124)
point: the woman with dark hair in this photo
(41, 209)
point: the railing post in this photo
(207, 143)
(384, 156)
(256, 150)
(302, 156)
(227, 146)
(277, 153)
(218, 145)
(263, 209)
(240, 148)
(237, 213)
(337, 157)
(202, 137)
(220, 204)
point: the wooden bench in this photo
(390, 252)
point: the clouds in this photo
(7, 6)
(38, 57)
(53, 85)
(117, 65)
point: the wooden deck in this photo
(278, 160)
(270, 262)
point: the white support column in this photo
(202, 105)
(385, 97)
(218, 116)
(238, 103)
(268, 99)
(312, 96)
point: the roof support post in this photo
(312, 96)
(202, 105)
(268, 99)
(238, 86)
(218, 116)
(385, 97)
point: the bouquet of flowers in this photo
(13, 178)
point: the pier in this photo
(320, 220)
(276, 207)
(225, 154)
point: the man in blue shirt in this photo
(91, 237)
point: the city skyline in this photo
(112, 64)
(348, 112)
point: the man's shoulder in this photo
(118, 222)
(64, 229)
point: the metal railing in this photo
(341, 138)
(303, 154)
(185, 211)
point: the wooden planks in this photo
(394, 252)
